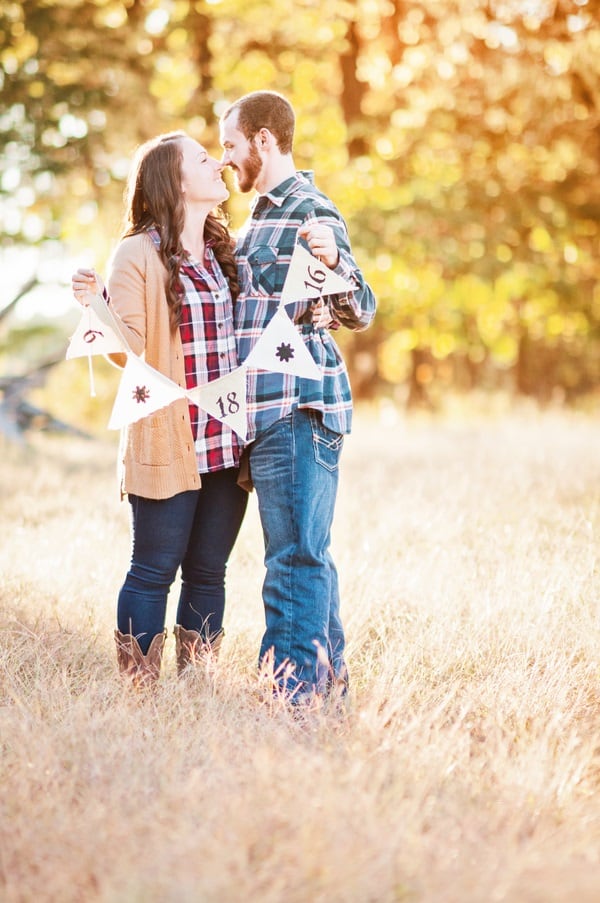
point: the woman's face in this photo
(201, 175)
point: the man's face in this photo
(240, 154)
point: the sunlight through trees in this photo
(461, 138)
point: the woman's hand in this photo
(86, 282)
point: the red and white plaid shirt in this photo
(209, 351)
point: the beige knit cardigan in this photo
(157, 457)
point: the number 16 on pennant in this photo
(308, 277)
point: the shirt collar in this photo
(154, 234)
(278, 194)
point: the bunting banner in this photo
(142, 391)
(281, 349)
(93, 336)
(225, 399)
(105, 314)
(308, 277)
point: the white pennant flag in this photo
(92, 336)
(280, 348)
(225, 399)
(142, 391)
(308, 277)
(105, 314)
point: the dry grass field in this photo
(467, 768)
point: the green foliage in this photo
(461, 141)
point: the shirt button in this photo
(222, 354)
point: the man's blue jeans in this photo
(194, 529)
(294, 468)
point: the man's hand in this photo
(321, 241)
(321, 315)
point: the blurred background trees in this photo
(460, 138)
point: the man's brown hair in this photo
(265, 110)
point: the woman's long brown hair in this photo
(154, 198)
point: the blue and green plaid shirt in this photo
(264, 250)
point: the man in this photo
(295, 425)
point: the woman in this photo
(172, 286)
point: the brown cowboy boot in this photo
(191, 650)
(142, 670)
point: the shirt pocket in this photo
(264, 270)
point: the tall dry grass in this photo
(468, 765)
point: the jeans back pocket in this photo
(327, 444)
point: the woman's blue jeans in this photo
(294, 468)
(195, 530)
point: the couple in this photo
(195, 305)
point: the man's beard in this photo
(247, 174)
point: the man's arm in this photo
(327, 239)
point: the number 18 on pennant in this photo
(224, 399)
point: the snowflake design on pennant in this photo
(285, 352)
(140, 394)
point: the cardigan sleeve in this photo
(127, 289)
